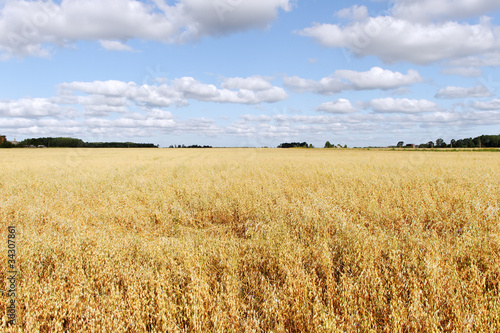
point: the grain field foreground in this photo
(251, 240)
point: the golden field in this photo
(252, 240)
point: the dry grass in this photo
(250, 240)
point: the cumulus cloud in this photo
(490, 105)
(491, 59)
(32, 108)
(106, 88)
(394, 39)
(99, 99)
(193, 89)
(114, 45)
(378, 78)
(463, 71)
(340, 105)
(250, 83)
(341, 80)
(217, 17)
(130, 123)
(258, 118)
(159, 114)
(427, 10)
(325, 86)
(355, 13)
(98, 105)
(102, 110)
(175, 92)
(460, 92)
(27, 27)
(403, 105)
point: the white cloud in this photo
(341, 80)
(460, 92)
(130, 123)
(250, 83)
(378, 78)
(491, 105)
(340, 105)
(159, 114)
(325, 86)
(427, 10)
(27, 26)
(259, 118)
(114, 45)
(355, 13)
(491, 59)
(394, 39)
(103, 110)
(32, 108)
(176, 92)
(106, 88)
(157, 96)
(402, 105)
(217, 17)
(463, 71)
(275, 94)
(193, 89)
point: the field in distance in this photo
(251, 240)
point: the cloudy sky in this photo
(250, 72)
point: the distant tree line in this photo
(6, 144)
(329, 145)
(192, 146)
(119, 145)
(483, 141)
(78, 143)
(295, 145)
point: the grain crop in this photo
(252, 240)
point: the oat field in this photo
(251, 240)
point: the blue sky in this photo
(250, 73)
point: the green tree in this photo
(328, 144)
(440, 143)
(6, 144)
(400, 144)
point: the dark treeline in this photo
(119, 145)
(295, 145)
(192, 146)
(78, 143)
(483, 141)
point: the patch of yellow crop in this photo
(251, 240)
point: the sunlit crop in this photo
(252, 240)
